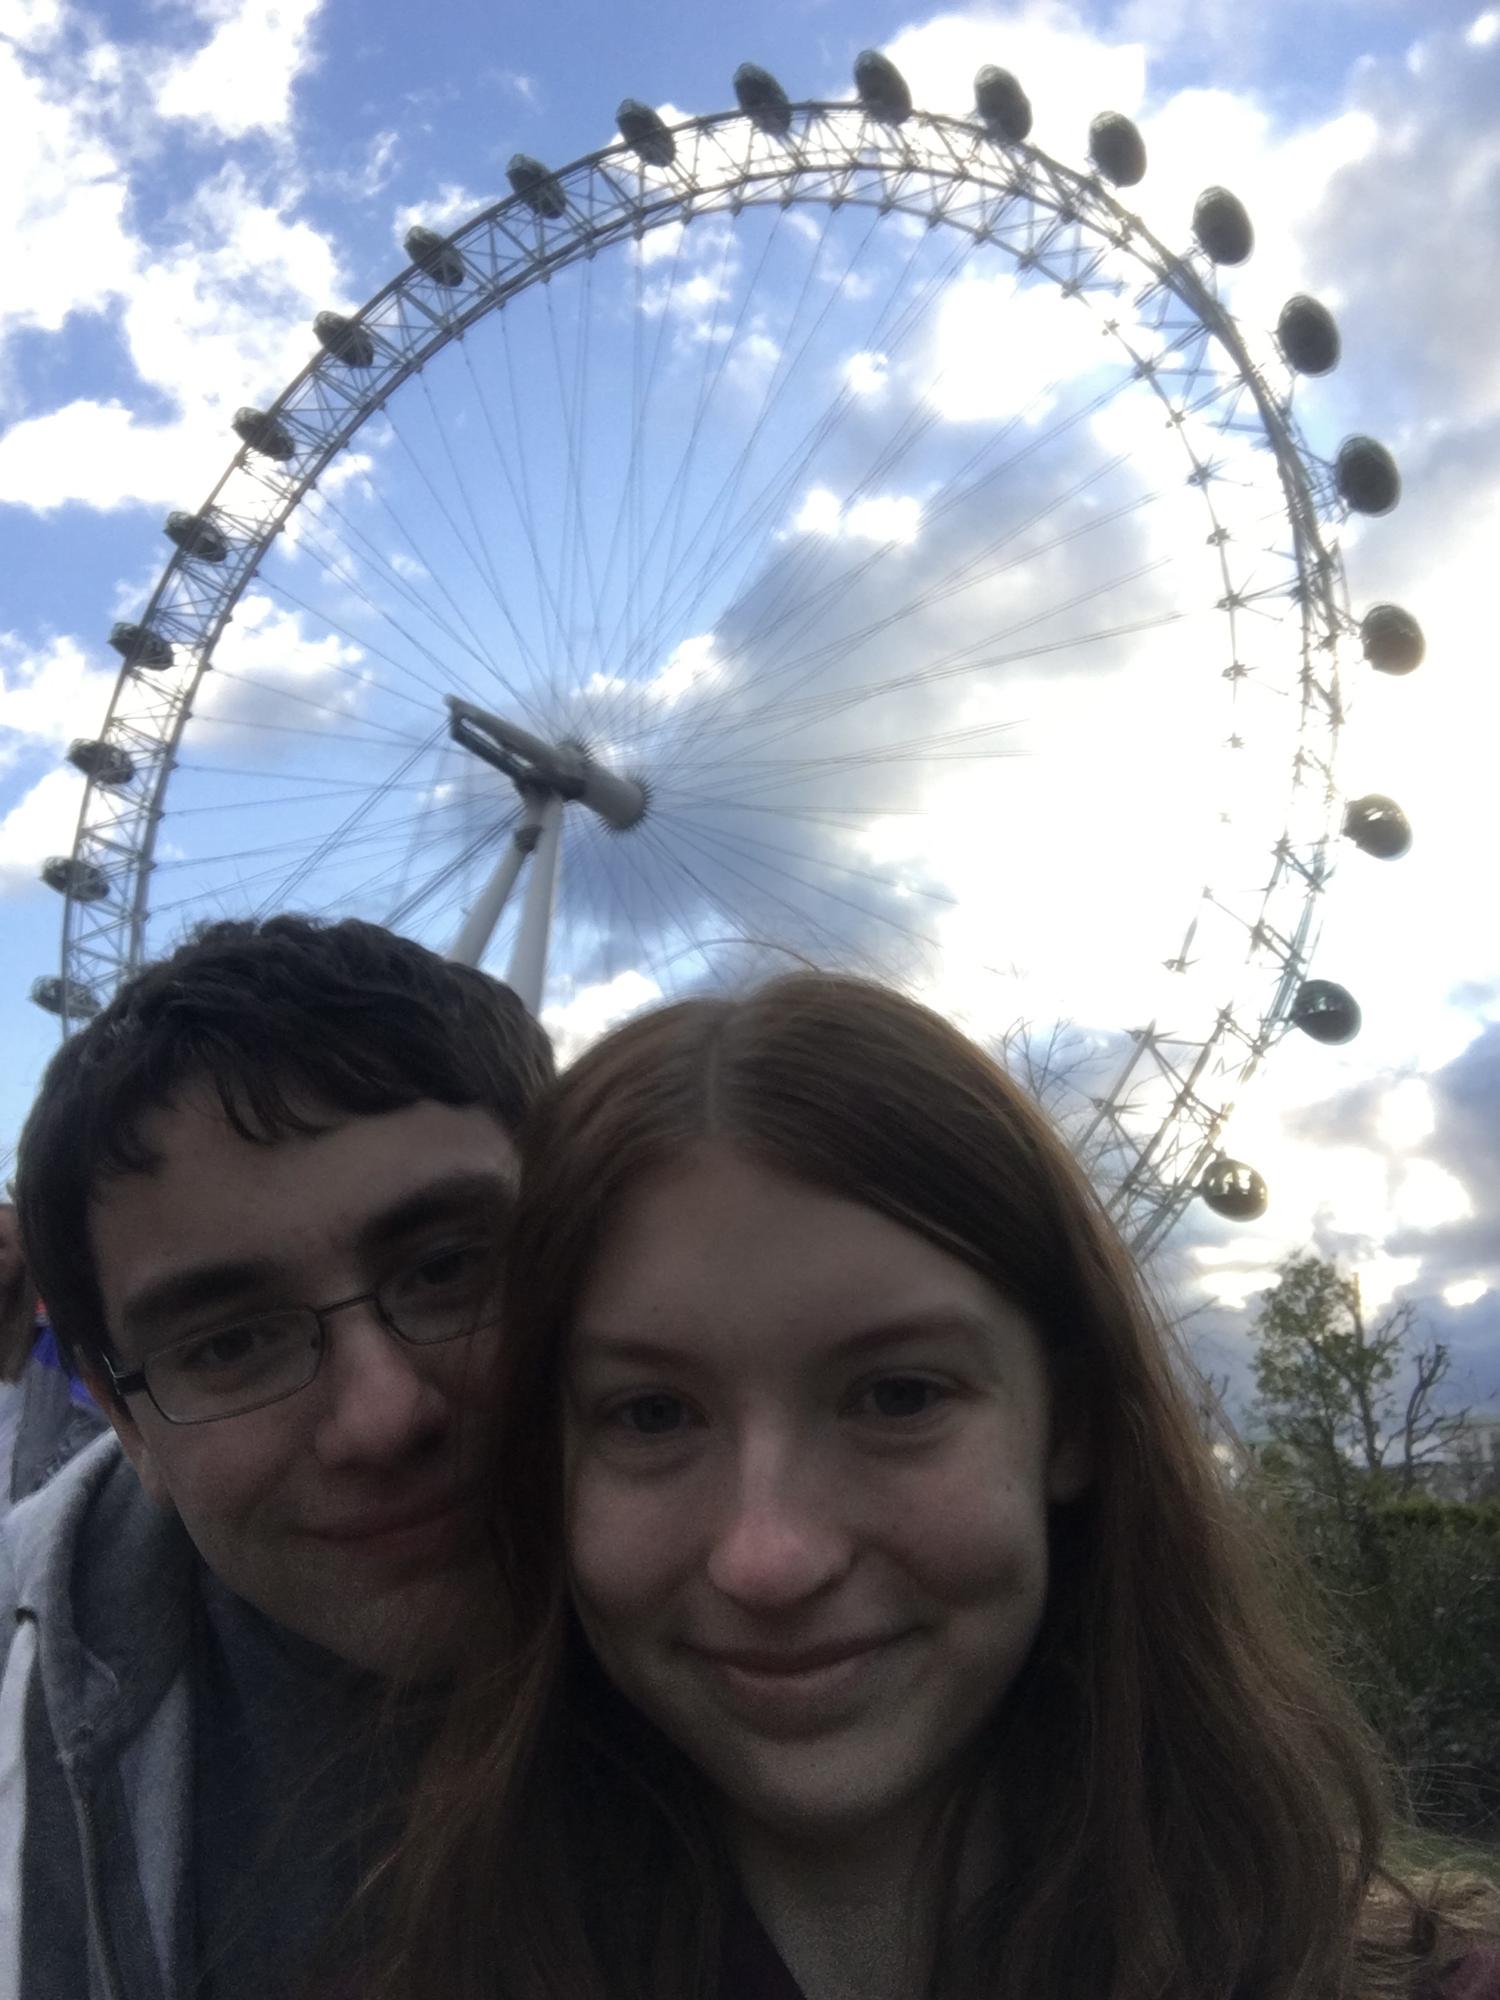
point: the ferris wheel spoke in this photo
(395, 582)
(780, 702)
(804, 922)
(285, 694)
(726, 844)
(971, 570)
(496, 671)
(574, 547)
(676, 486)
(727, 543)
(751, 845)
(748, 544)
(410, 902)
(339, 837)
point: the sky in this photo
(1026, 828)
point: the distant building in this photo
(1471, 1470)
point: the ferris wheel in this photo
(817, 527)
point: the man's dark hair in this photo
(276, 1018)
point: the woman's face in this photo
(794, 1428)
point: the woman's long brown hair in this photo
(1193, 1808)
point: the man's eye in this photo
(443, 1270)
(232, 1348)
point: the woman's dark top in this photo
(752, 1968)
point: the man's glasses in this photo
(235, 1369)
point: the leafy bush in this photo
(1412, 1595)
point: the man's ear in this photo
(129, 1432)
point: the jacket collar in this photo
(108, 1577)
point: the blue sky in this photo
(183, 187)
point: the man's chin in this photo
(411, 1630)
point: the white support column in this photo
(528, 965)
(478, 926)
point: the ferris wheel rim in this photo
(1043, 180)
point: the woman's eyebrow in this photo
(906, 1330)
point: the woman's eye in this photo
(905, 1396)
(654, 1415)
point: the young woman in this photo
(872, 1621)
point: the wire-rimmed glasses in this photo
(227, 1371)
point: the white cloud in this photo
(64, 247)
(1406, 1115)
(41, 824)
(884, 518)
(266, 654)
(219, 318)
(589, 1012)
(241, 79)
(104, 456)
(866, 374)
(443, 211)
(1069, 72)
(48, 698)
(1464, 1292)
(30, 23)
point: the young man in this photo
(263, 1195)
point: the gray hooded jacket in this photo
(96, 1740)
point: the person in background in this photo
(46, 1412)
(263, 1193)
(17, 1333)
(871, 1621)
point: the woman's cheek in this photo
(616, 1546)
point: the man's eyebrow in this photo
(440, 1201)
(906, 1330)
(204, 1286)
(201, 1287)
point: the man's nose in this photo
(380, 1403)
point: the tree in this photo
(1327, 1398)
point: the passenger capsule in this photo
(1222, 226)
(197, 536)
(1377, 826)
(1392, 639)
(1309, 336)
(106, 763)
(540, 190)
(1117, 148)
(265, 434)
(1234, 1190)
(1004, 108)
(138, 645)
(84, 881)
(883, 90)
(345, 339)
(1366, 475)
(435, 255)
(645, 132)
(60, 996)
(1326, 1011)
(763, 100)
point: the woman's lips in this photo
(796, 1696)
